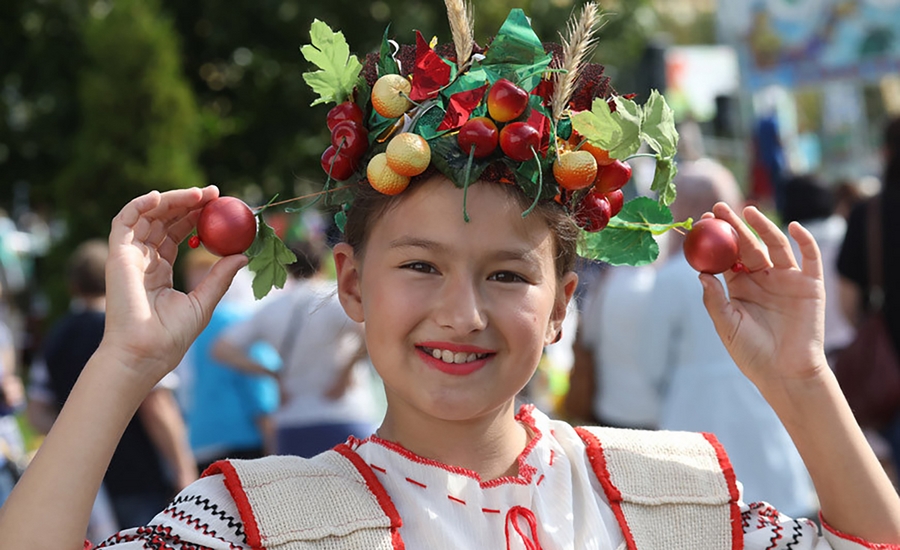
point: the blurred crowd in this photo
(289, 374)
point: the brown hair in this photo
(86, 269)
(370, 205)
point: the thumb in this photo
(718, 306)
(213, 287)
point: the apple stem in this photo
(302, 197)
(466, 181)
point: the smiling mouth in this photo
(457, 358)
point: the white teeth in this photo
(458, 358)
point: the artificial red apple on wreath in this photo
(712, 246)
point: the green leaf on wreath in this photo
(629, 116)
(619, 132)
(658, 126)
(664, 180)
(643, 214)
(386, 62)
(268, 260)
(338, 70)
(451, 160)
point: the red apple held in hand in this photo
(226, 226)
(612, 176)
(339, 165)
(506, 101)
(593, 212)
(711, 246)
(517, 140)
(354, 136)
(480, 132)
(347, 110)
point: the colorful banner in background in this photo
(800, 42)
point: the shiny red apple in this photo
(226, 226)
(517, 140)
(593, 212)
(506, 101)
(712, 246)
(612, 176)
(347, 110)
(480, 132)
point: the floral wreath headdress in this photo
(535, 115)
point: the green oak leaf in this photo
(619, 132)
(664, 180)
(658, 125)
(338, 70)
(268, 258)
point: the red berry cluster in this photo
(349, 141)
(480, 136)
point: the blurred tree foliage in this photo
(101, 100)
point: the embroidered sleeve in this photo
(202, 517)
(767, 529)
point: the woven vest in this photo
(668, 490)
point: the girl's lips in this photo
(456, 369)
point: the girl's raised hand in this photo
(772, 321)
(149, 324)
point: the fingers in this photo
(753, 255)
(718, 307)
(779, 248)
(213, 287)
(149, 217)
(809, 250)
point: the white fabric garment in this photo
(829, 235)
(704, 391)
(555, 483)
(325, 340)
(610, 326)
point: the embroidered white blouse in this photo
(555, 502)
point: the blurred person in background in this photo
(12, 399)
(701, 388)
(607, 385)
(153, 460)
(853, 260)
(228, 411)
(326, 390)
(809, 201)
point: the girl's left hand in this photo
(772, 321)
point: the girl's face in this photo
(456, 313)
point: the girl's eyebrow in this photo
(524, 254)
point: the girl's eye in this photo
(507, 277)
(421, 267)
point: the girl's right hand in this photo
(149, 324)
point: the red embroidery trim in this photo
(552, 456)
(414, 482)
(454, 499)
(857, 540)
(540, 479)
(595, 455)
(512, 517)
(233, 484)
(737, 532)
(526, 471)
(378, 468)
(490, 511)
(375, 487)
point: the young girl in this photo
(457, 310)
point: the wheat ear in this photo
(461, 27)
(576, 48)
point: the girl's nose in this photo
(461, 306)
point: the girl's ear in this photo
(348, 281)
(564, 292)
